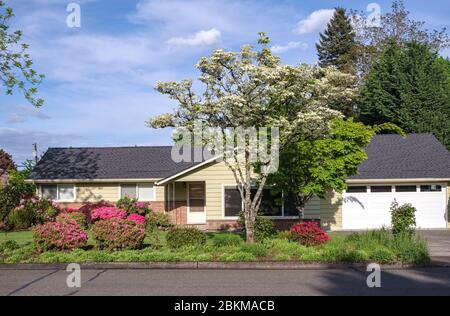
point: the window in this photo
(58, 192)
(66, 192)
(271, 205)
(430, 188)
(49, 192)
(196, 197)
(405, 188)
(145, 192)
(289, 206)
(357, 189)
(380, 188)
(128, 190)
(232, 201)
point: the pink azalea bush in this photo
(61, 235)
(138, 219)
(78, 217)
(118, 234)
(104, 213)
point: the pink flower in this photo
(138, 219)
(103, 213)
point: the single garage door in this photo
(368, 207)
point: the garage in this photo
(368, 206)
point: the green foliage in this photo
(15, 63)
(118, 234)
(6, 162)
(78, 217)
(223, 240)
(126, 203)
(185, 236)
(312, 167)
(407, 86)
(9, 245)
(337, 45)
(403, 218)
(263, 227)
(22, 218)
(158, 220)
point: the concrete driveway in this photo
(439, 244)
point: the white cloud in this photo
(202, 38)
(23, 112)
(315, 22)
(289, 46)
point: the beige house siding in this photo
(159, 192)
(312, 209)
(215, 176)
(97, 192)
(331, 211)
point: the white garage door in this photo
(368, 207)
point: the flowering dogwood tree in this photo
(252, 89)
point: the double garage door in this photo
(368, 207)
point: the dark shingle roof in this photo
(107, 163)
(390, 157)
(396, 157)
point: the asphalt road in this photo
(426, 281)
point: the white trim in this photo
(137, 191)
(164, 180)
(70, 181)
(410, 180)
(188, 206)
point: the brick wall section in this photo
(178, 214)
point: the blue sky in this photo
(99, 81)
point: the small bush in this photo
(63, 235)
(132, 206)
(118, 234)
(403, 218)
(9, 245)
(78, 217)
(22, 218)
(104, 213)
(138, 219)
(383, 255)
(186, 236)
(309, 234)
(264, 227)
(87, 208)
(285, 235)
(223, 240)
(158, 220)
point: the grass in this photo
(374, 246)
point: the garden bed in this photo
(375, 246)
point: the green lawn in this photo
(375, 246)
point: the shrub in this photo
(285, 235)
(78, 217)
(309, 233)
(87, 208)
(118, 234)
(138, 219)
(22, 218)
(223, 240)
(158, 220)
(9, 245)
(383, 255)
(63, 235)
(104, 213)
(132, 206)
(9, 199)
(264, 227)
(403, 218)
(186, 236)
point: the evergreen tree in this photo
(337, 45)
(408, 86)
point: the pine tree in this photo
(408, 86)
(337, 45)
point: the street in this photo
(424, 281)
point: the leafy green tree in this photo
(337, 44)
(394, 26)
(16, 70)
(409, 87)
(252, 89)
(310, 168)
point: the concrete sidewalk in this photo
(439, 245)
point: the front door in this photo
(196, 213)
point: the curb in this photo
(218, 266)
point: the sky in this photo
(100, 77)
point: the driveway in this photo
(421, 281)
(439, 244)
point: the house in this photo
(413, 169)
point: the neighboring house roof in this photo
(107, 163)
(416, 156)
